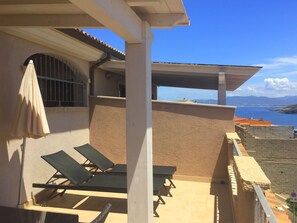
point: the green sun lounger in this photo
(78, 178)
(97, 160)
(19, 215)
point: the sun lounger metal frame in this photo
(103, 215)
(97, 161)
(78, 178)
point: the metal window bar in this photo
(50, 82)
(63, 81)
(60, 84)
(64, 97)
(236, 150)
(262, 211)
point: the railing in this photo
(262, 210)
(236, 150)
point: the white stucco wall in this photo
(107, 85)
(69, 126)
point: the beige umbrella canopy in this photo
(30, 119)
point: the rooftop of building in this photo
(252, 122)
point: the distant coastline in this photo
(253, 101)
(291, 109)
(265, 108)
(267, 114)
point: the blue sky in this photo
(231, 32)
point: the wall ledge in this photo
(109, 97)
(249, 173)
(194, 104)
(200, 179)
(66, 109)
(232, 135)
(171, 102)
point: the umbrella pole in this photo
(23, 148)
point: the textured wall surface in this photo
(270, 132)
(276, 156)
(69, 127)
(107, 84)
(191, 137)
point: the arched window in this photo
(60, 84)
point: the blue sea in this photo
(265, 113)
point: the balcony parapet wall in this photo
(249, 173)
(245, 175)
(246, 169)
(186, 135)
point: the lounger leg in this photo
(62, 193)
(161, 199)
(53, 178)
(155, 209)
(89, 164)
(52, 195)
(168, 191)
(171, 183)
(156, 214)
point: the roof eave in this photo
(94, 42)
(200, 76)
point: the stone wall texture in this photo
(276, 156)
(270, 132)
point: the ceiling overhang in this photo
(58, 41)
(73, 42)
(124, 17)
(198, 76)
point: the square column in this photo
(139, 128)
(221, 88)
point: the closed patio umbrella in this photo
(30, 119)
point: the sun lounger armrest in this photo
(103, 215)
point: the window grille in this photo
(60, 84)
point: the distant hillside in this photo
(291, 109)
(254, 101)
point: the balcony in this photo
(213, 177)
(250, 188)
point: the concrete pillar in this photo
(139, 128)
(221, 88)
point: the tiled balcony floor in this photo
(192, 202)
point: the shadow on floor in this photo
(88, 203)
(222, 203)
